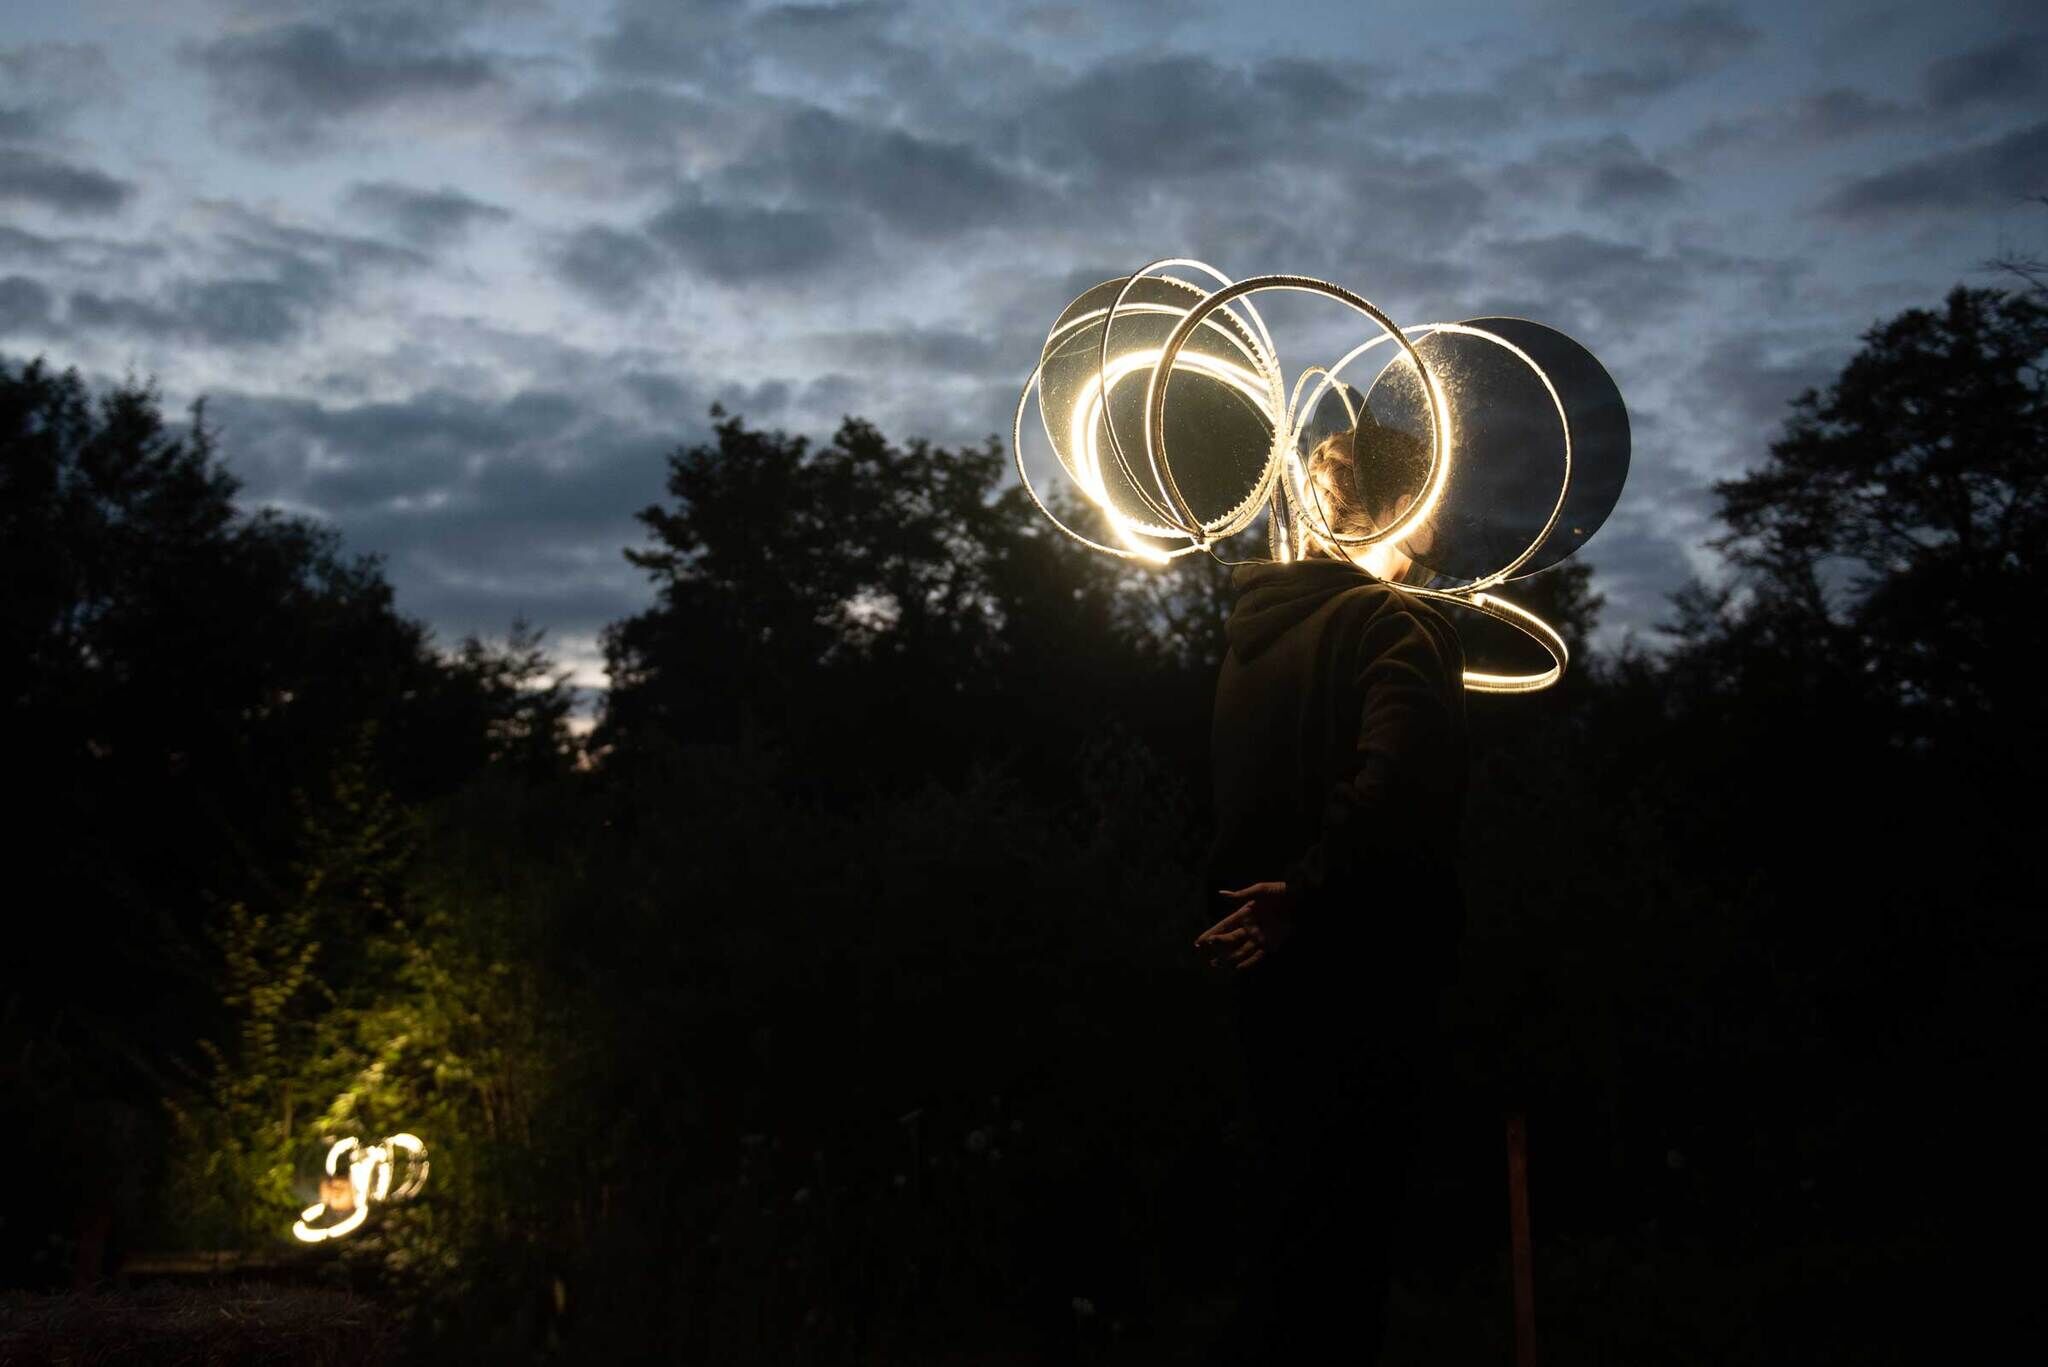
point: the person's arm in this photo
(1381, 813)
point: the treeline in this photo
(832, 1000)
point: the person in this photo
(1339, 766)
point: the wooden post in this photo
(1518, 1236)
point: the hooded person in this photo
(1339, 763)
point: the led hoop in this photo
(1424, 330)
(1162, 474)
(1145, 553)
(369, 1177)
(1524, 621)
(1084, 464)
(1232, 522)
(1082, 435)
(1439, 460)
(1296, 512)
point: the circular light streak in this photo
(1150, 505)
(369, 1179)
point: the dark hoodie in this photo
(1339, 757)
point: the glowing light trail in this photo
(1081, 423)
(368, 1179)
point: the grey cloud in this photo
(841, 38)
(1311, 90)
(227, 313)
(279, 280)
(922, 187)
(304, 254)
(482, 509)
(1843, 113)
(1638, 561)
(1624, 282)
(405, 18)
(240, 312)
(2011, 70)
(680, 406)
(19, 245)
(285, 87)
(613, 139)
(762, 399)
(1987, 175)
(1627, 182)
(920, 350)
(1061, 22)
(1833, 115)
(31, 178)
(620, 118)
(24, 305)
(1663, 51)
(1606, 174)
(833, 394)
(95, 311)
(530, 456)
(663, 39)
(609, 267)
(1706, 34)
(660, 395)
(82, 254)
(1735, 386)
(1172, 115)
(1435, 114)
(426, 218)
(724, 42)
(740, 243)
(766, 185)
(1431, 198)
(46, 83)
(1386, 225)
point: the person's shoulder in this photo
(1371, 599)
(1422, 608)
(1394, 617)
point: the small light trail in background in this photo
(369, 1173)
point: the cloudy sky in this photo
(456, 274)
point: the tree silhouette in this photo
(179, 669)
(786, 575)
(1899, 518)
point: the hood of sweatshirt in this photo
(1271, 597)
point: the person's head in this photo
(1362, 480)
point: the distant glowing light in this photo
(367, 1178)
(1082, 425)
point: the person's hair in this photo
(1358, 476)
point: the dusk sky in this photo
(455, 277)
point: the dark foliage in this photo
(835, 1003)
(183, 678)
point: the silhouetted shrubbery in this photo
(835, 1002)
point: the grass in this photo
(236, 1325)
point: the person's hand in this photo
(1263, 923)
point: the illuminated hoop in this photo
(1162, 474)
(1522, 620)
(369, 1178)
(1439, 454)
(1281, 486)
(1425, 330)
(1081, 454)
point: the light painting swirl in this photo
(1525, 437)
(368, 1178)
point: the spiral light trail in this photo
(1219, 355)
